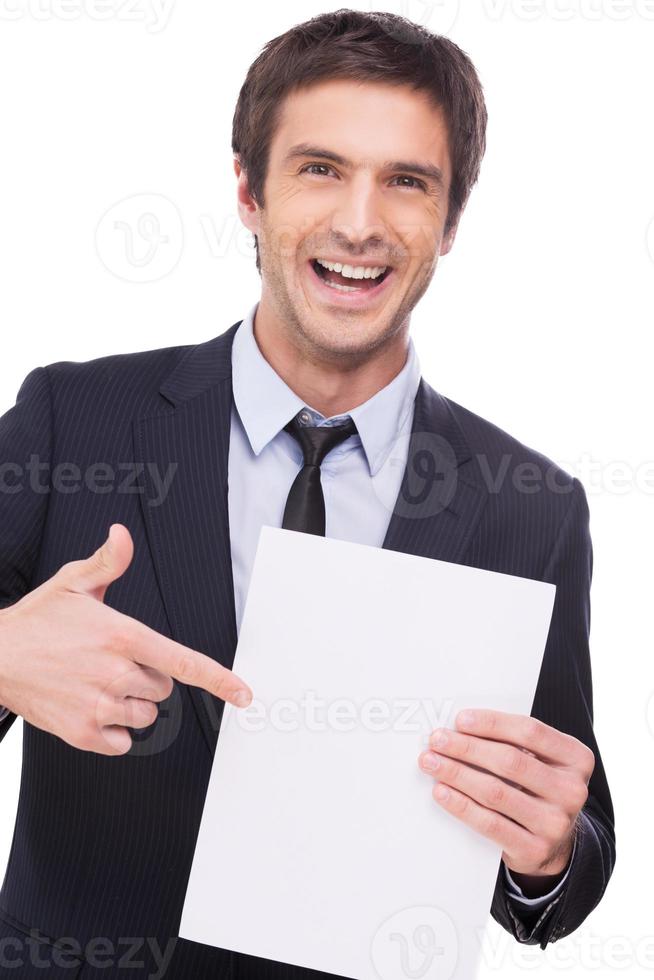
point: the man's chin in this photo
(341, 336)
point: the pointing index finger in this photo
(187, 665)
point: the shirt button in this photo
(305, 417)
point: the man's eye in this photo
(326, 169)
(308, 167)
(416, 182)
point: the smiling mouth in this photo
(350, 278)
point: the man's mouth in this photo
(350, 278)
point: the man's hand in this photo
(83, 671)
(515, 780)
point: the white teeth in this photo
(354, 271)
(344, 289)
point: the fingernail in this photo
(439, 738)
(431, 761)
(242, 699)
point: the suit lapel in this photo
(189, 532)
(436, 512)
(440, 499)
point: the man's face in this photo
(357, 182)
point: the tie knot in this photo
(318, 440)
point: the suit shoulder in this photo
(503, 459)
(131, 365)
(114, 385)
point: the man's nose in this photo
(359, 215)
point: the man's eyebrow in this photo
(427, 170)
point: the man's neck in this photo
(331, 387)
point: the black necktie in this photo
(305, 505)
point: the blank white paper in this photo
(320, 843)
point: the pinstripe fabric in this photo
(103, 846)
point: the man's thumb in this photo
(95, 573)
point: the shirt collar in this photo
(265, 403)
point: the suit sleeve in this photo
(514, 891)
(25, 454)
(564, 700)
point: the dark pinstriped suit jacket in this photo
(103, 845)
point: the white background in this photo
(539, 319)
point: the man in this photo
(357, 140)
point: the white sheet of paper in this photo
(320, 843)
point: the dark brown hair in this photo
(377, 47)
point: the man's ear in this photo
(248, 209)
(448, 239)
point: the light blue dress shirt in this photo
(360, 478)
